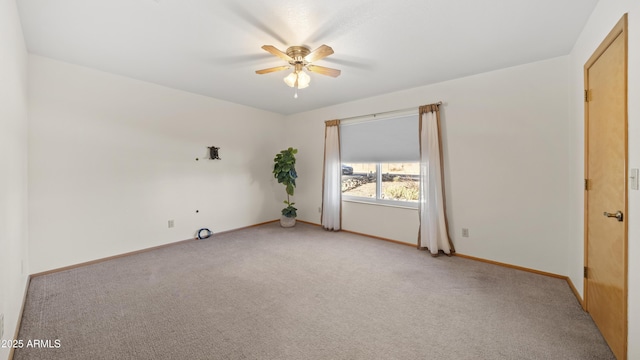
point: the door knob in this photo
(618, 215)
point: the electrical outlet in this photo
(1, 325)
(465, 232)
(171, 223)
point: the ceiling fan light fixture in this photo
(291, 79)
(298, 79)
(303, 80)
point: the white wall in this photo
(605, 16)
(506, 151)
(112, 159)
(13, 167)
(396, 223)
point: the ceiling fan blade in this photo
(323, 70)
(273, 69)
(277, 53)
(319, 53)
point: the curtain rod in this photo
(386, 112)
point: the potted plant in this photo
(284, 169)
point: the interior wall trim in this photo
(367, 235)
(86, 263)
(516, 267)
(52, 271)
(382, 238)
(575, 292)
(521, 268)
(19, 322)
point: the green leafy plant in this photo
(284, 169)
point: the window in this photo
(382, 182)
(381, 160)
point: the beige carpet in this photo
(303, 293)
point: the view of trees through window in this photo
(382, 181)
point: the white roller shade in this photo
(380, 140)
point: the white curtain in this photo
(332, 184)
(433, 234)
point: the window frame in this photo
(378, 200)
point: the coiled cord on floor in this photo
(204, 233)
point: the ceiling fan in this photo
(300, 57)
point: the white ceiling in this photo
(212, 47)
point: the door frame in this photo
(620, 29)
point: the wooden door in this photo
(606, 188)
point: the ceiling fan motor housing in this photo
(298, 53)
